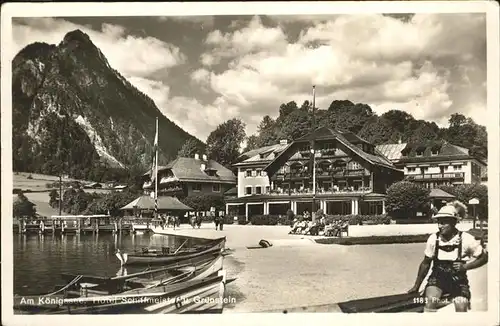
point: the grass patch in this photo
(349, 241)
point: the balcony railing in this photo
(436, 176)
(321, 173)
(168, 179)
(169, 190)
(308, 191)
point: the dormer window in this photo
(249, 173)
(434, 152)
(420, 152)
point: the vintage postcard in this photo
(250, 163)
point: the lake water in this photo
(40, 259)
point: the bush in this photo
(405, 199)
(264, 220)
(242, 220)
(358, 219)
(228, 219)
(466, 192)
(23, 207)
(204, 202)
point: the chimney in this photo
(283, 142)
(205, 157)
(196, 156)
(203, 166)
(399, 140)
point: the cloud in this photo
(197, 118)
(252, 38)
(428, 65)
(130, 55)
(204, 21)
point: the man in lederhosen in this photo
(447, 249)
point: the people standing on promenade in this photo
(446, 250)
(216, 220)
(221, 223)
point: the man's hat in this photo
(448, 211)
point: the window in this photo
(254, 173)
(249, 173)
(258, 190)
(354, 165)
(249, 190)
(457, 167)
(420, 153)
(258, 173)
(263, 173)
(216, 188)
(196, 187)
(434, 152)
(268, 189)
(424, 169)
(412, 169)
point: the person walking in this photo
(221, 223)
(447, 250)
(216, 220)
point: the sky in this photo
(203, 70)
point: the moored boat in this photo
(153, 256)
(204, 295)
(406, 302)
(196, 268)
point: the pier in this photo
(79, 224)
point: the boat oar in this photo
(180, 247)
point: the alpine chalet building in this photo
(186, 176)
(351, 177)
(436, 163)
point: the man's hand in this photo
(414, 289)
(459, 267)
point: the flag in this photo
(155, 149)
(155, 165)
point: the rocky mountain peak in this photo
(77, 36)
(108, 118)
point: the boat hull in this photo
(152, 259)
(195, 296)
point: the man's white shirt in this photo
(471, 248)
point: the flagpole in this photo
(313, 151)
(156, 170)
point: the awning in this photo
(164, 203)
(440, 194)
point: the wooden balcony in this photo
(333, 173)
(320, 191)
(436, 176)
(170, 190)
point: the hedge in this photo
(360, 219)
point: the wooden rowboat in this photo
(198, 268)
(151, 257)
(195, 296)
(406, 302)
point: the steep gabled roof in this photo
(328, 133)
(189, 169)
(391, 151)
(262, 154)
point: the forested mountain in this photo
(294, 122)
(74, 113)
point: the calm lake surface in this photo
(40, 259)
